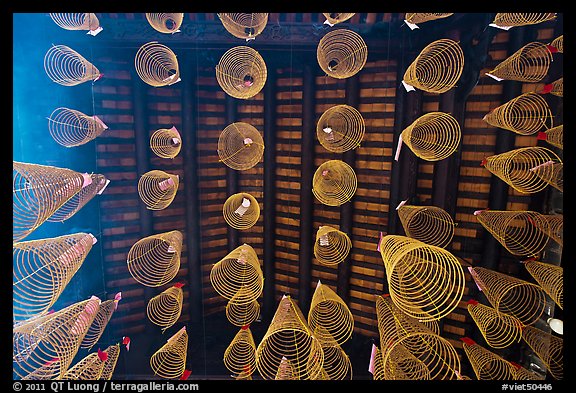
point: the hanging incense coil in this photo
(96, 187)
(113, 352)
(241, 211)
(337, 365)
(243, 25)
(334, 183)
(498, 329)
(155, 260)
(433, 136)
(429, 224)
(167, 23)
(329, 317)
(241, 72)
(164, 309)
(166, 142)
(413, 287)
(334, 18)
(388, 316)
(69, 127)
(242, 313)
(332, 246)
(421, 17)
(555, 227)
(101, 319)
(340, 128)
(558, 43)
(554, 136)
(89, 368)
(240, 146)
(169, 361)
(289, 336)
(437, 68)
(552, 173)
(65, 66)
(157, 65)
(524, 115)
(240, 355)
(157, 189)
(77, 21)
(550, 278)
(511, 19)
(342, 53)
(528, 64)
(548, 347)
(486, 364)
(510, 295)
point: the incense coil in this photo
(239, 312)
(429, 224)
(69, 127)
(240, 146)
(241, 72)
(413, 287)
(239, 269)
(240, 355)
(285, 371)
(329, 317)
(421, 17)
(89, 368)
(548, 347)
(164, 309)
(486, 364)
(433, 136)
(555, 136)
(157, 65)
(522, 374)
(336, 365)
(166, 143)
(97, 185)
(244, 25)
(42, 269)
(169, 361)
(341, 53)
(331, 246)
(113, 352)
(551, 173)
(167, 23)
(517, 168)
(558, 43)
(334, 183)
(340, 128)
(334, 18)
(557, 87)
(76, 20)
(241, 211)
(510, 295)
(65, 66)
(524, 115)
(498, 329)
(550, 278)
(157, 189)
(555, 227)
(289, 336)
(101, 319)
(511, 19)
(437, 68)
(528, 64)
(155, 260)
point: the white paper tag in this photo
(103, 188)
(97, 119)
(176, 141)
(494, 77)
(475, 277)
(412, 26)
(324, 240)
(243, 208)
(398, 147)
(327, 22)
(401, 204)
(171, 83)
(176, 31)
(166, 184)
(408, 87)
(93, 33)
(248, 141)
(500, 27)
(94, 240)
(87, 180)
(547, 163)
(250, 39)
(171, 249)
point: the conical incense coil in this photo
(101, 319)
(96, 187)
(239, 312)
(89, 368)
(38, 191)
(240, 146)
(554, 136)
(157, 189)
(512, 19)
(528, 64)
(510, 295)
(169, 361)
(550, 278)
(237, 270)
(337, 365)
(241, 211)
(155, 260)
(433, 136)
(401, 364)
(157, 65)
(167, 23)
(44, 346)
(334, 183)
(421, 17)
(437, 68)
(340, 128)
(69, 127)
(42, 269)
(429, 224)
(334, 18)
(341, 53)
(113, 352)
(486, 364)
(240, 355)
(166, 142)
(522, 374)
(289, 337)
(65, 66)
(518, 168)
(329, 316)
(422, 278)
(241, 72)
(285, 371)
(558, 43)
(548, 347)
(552, 173)
(555, 227)
(498, 329)
(525, 115)
(244, 25)
(164, 309)
(77, 21)
(332, 246)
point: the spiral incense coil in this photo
(555, 227)
(433, 136)
(332, 246)
(157, 65)
(169, 361)
(558, 43)
(241, 72)
(89, 368)
(101, 319)
(65, 66)
(524, 115)
(337, 365)
(486, 364)
(550, 278)
(498, 329)
(522, 374)
(510, 295)
(421, 17)
(429, 224)
(155, 260)
(164, 309)
(43, 347)
(96, 187)
(341, 53)
(334, 183)
(166, 142)
(518, 168)
(437, 68)
(340, 128)
(240, 146)
(289, 336)
(244, 25)
(414, 280)
(69, 127)
(157, 189)
(548, 347)
(528, 64)
(334, 18)
(557, 87)
(240, 355)
(240, 313)
(237, 270)
(555, 136)
(241, 211)
(329, 316)
(167, 23)
(42, 270)
(113, 352)
(77, 21)
(552, 173)
(512, 19)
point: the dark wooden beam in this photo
(231, 174)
